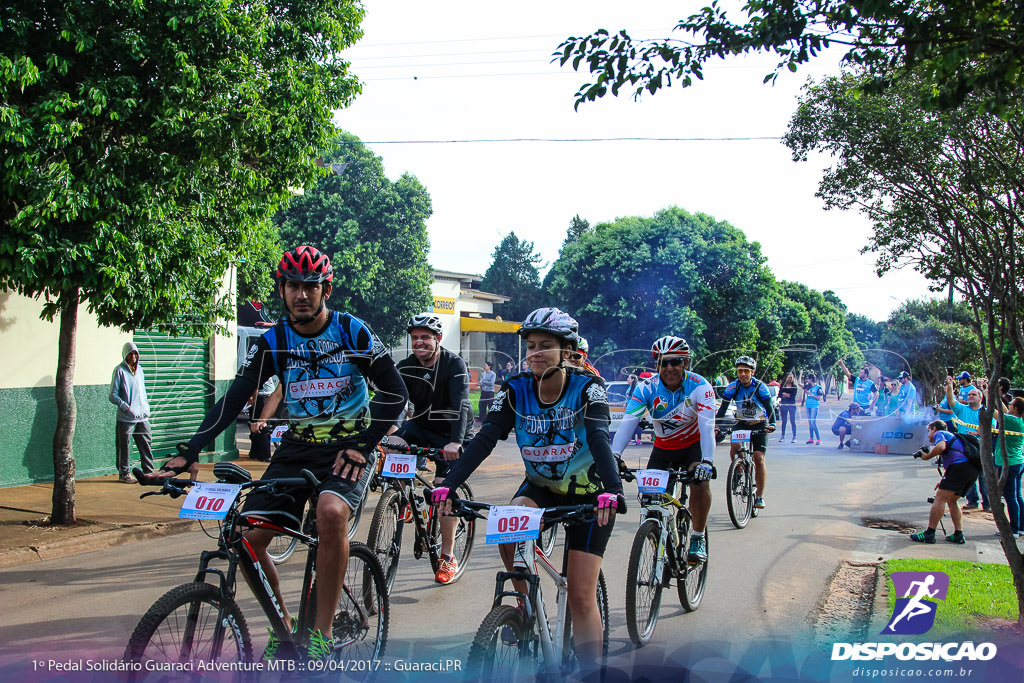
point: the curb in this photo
(97, 540)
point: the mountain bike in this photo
(283, 546)
(403, 501)
(660, 548)
(201, 621)
(740, 484)
(513, 641)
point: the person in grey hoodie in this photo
(128, 393)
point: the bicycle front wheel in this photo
(739, 492)
(692, 577)
(189, 623)
(643, 584)
(385, 536)
(501, 647)
(363, 615)
(548, 538)
(465, 530)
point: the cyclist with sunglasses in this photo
(753, 410)
(578, 358)
(682, 407)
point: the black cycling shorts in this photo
(675, 458)
(287, 510)
(589, 538)
(415, 435)
(758, 442)
(959, 478)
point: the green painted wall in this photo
(28, 417)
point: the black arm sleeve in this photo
(387, 403)
(458, 398)
(495, 428)
(595, 421)
(722, 408)
(769, 410)
(256, 369)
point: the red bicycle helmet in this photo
(305, 264)
(670, 347)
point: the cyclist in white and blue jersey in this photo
(560, 417)
(754, 411)
(682, 408)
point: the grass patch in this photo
(977, 592)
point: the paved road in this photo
(765, 585)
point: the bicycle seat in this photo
(231, 473)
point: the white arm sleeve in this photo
(703, 401)
(626, 429)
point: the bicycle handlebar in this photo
(564, 514)
(176, 487)
(684, 476)
(435, 454)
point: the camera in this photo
(921, 451)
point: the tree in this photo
(514, 272)
(943, 191)
(866, 332)
(145, 147)
(825, 333)
(375, 233)
(634, 280)
(957, 46)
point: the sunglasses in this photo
(674, 362)
(576, 356)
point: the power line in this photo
(617, 139)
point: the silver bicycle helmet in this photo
(748, 361)
(554, 321)
(427, 320)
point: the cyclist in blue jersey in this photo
(865, 391)
(325, 361)
(754, 410)
(560, 416)
(814, 396)
(682, 408)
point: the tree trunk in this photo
(63, 503)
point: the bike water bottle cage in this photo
(231, 473)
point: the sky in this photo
(461, 71)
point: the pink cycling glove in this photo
(607, 500)
(439, 495)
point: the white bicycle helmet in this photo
(554, 321)
(582, 346)
(427, 320)
(670, 347)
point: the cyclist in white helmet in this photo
(682, 407)
(753, 411)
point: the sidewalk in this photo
(109, 514)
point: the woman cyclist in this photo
(560, 416)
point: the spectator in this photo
(1004, 392)
(1014, 462)
(945, 410)
(842, 427)
(128, 393)
(886, 404)
(787, 404)
(508, 372)
(259, 431)
(966, 416)
(906, 399)
(487, 379)
(865, 393)
(524, 366)
(814, 397)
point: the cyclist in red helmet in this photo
(325, 361)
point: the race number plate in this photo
(741, 436)
(209, 501)
(511, 523)
(652, 481)
(400, 465)
(279, 430)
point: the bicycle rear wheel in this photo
(362, 617)
(501, 647)
(643, 584)
(692, 577)
(281, 548)
(739, 492)
(385, 536)
(465, 531)
(186, 625)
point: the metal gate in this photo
(178, 384)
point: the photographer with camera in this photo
(959, 476)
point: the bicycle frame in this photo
(664, 510)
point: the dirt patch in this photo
(899, 525)
(845, 610)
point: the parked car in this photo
(616, 403)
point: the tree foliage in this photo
(944, 192)
(820, 345)
(958, 46)
(145, 147)
(375, 233)
(514, 272)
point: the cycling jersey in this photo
(439, 394)
(681, 418)
(564, 445)
(862, 390)
(326, 396)
(753, 402)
